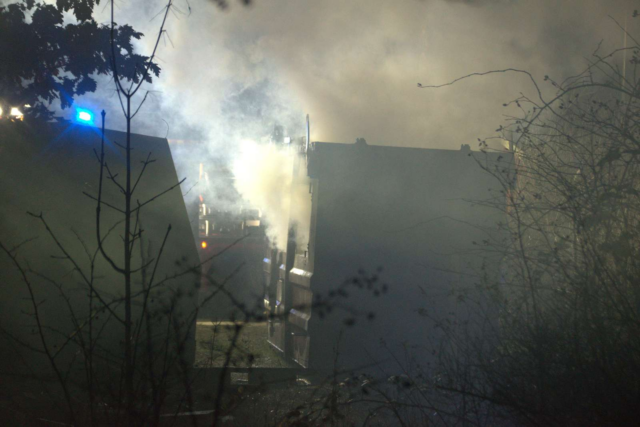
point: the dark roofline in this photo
(343, 145)
(63, 127)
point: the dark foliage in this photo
(44, 60)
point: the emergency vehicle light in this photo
(84, 116)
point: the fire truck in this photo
(231, 243)
(218, 223)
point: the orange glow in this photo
(201, 199)
(204, 245)
(16, 114)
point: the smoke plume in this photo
(353, 66)
(264, 177)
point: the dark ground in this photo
(213, 339)
(273, 397)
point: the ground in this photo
(213, 339)
(276, 398)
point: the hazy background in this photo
(354, 65)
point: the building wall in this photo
(410, 212)
(46, 169)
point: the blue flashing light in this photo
(84, 116)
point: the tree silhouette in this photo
(564, 348)
(44, 59)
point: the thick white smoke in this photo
(353, 66)
(265, 178)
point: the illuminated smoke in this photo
(353, 65)
(264, 177)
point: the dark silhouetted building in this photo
(53, 169)
(413, 218)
